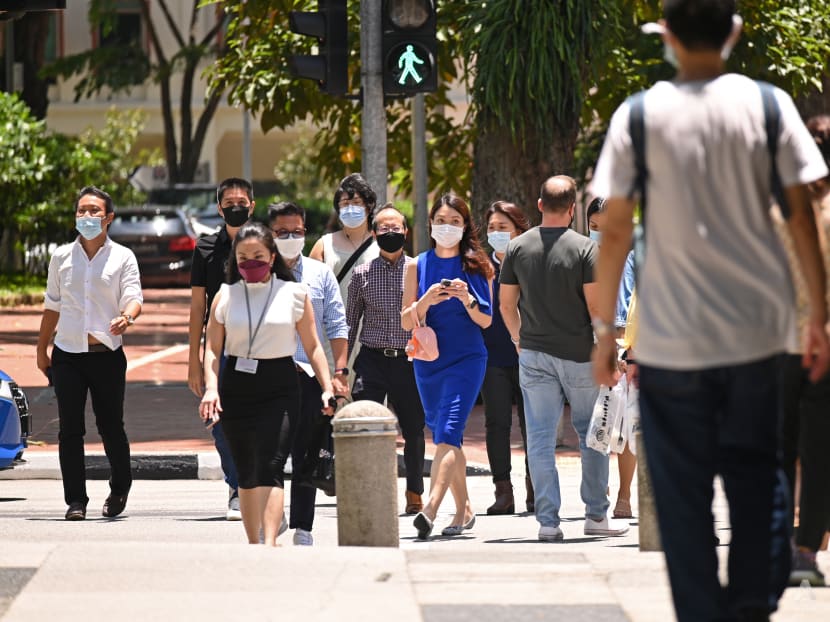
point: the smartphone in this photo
(446, 282)
(49, 376)
(209, 423)
(333, 402)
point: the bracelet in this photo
(515, 341)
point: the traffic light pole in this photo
(419, 173)
(373, 135)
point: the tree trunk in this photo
(504, 170)
(30, 34)
(11, 260)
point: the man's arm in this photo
(337, 331)
(354, 310)
(195, 373)
(48, 323)
(616, 241)
(509, 308)
(802, 226)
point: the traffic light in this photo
(330, 68)
(410, 47)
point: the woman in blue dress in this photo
(450, 288)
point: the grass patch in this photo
(21, 289)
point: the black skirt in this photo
(258, 413)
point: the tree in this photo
(125, 64)
(42, 171)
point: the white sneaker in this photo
(233, 508)
(550, 534)
(303, 538)
(605, 527)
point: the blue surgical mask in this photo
(595, 235)
(352, 216)
(670, 56)
(498, 240)
(89, 226)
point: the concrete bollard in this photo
(367, 475)
(649, 530)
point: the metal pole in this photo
(10, 56)
(246, 145)
(373, 139)
(419, 173)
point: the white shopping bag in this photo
(619, 427)
(632, 410)
(600, 429)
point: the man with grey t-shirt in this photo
(716, 306)
(547, 289)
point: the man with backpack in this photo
(716, 302)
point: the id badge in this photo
(247, 366)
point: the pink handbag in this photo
(423, 345)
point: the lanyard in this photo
(253, 332)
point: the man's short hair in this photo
(284, 208)
(558, 193)
(234, 182)
(385, 207)
(700, 24)
(94, 191)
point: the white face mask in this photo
(290, 248)
(447, 235)
(498, 240)
(352, 216)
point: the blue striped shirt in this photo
(329, 313)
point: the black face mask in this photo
(235, 215)
(391, 242)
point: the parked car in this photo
(15, 422)
(162, 239)
(196, 200)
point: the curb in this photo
(161, 465)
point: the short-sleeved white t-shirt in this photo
(276, 337)
(714, 289)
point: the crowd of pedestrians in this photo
(715, 356)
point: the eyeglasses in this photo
(395, 229)
(284, 234)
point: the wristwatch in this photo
(601, 328)
(129, 318)
(473, 303)
(342, 371)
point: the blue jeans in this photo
(222, 448)
(698, 424)
(546, 381)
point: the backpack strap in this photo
(637, 131)
(772, 123)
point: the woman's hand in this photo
(458, 289)
(327, 409)
(436, 294)
(210, 406)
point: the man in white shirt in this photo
(93, 295)
(715, 304)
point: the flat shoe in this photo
(622, 509)
(76, 511)
(470, 523)
(423, 525)
(452, 530)
(114, 505)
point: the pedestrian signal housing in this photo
(330, 66)
(410, 47)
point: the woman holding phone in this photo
(449, 287)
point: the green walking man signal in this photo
(407, 60)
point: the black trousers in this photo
(102, 375)
(378, 377)
(500, 387)
(805, 433)
(310, 430)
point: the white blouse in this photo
(276, 337)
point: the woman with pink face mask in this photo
(257, 397)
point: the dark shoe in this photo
(414, 504)
(504, 500)
(114, 505)
(805, 569)
(423, 525)
(622, 509)
(530, 500)
(76, 511)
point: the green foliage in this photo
(255, 72)
(42, 171)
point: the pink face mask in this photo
(254, 270)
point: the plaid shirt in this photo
(375, 294)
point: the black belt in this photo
(97, 347)
(390, 353)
